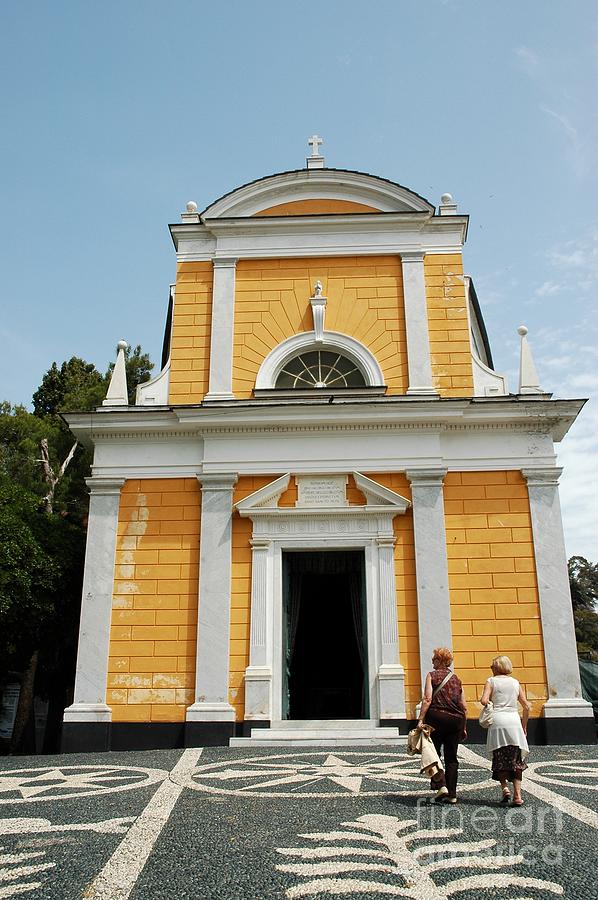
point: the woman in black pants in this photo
(443, 707)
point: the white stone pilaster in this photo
(431, 568)
(258, 675)
(391, 674)
(416, 325)
(558, 630)
(213, 625)
(96, 607)
(222, 330)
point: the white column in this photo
(96, 607)
(258, 674)
(558, 630)
(433, 600)
(416, 325)
(391, 674)
(222, 330)
(213, 625)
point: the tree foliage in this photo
(583, 581)
(43, 517)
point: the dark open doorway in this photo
(325, 635)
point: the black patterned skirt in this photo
(507, 762)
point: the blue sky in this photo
(115, 114)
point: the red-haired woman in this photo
(443, 707)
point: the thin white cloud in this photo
(527, 59)
(563, 121)
(547, 289)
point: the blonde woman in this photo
(443, 707)
(507, 736)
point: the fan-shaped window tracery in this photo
(317, 369)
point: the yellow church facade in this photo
(326, 480)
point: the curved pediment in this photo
(317, 192)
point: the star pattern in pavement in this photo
(310, 774)
(53, 782)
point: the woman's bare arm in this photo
(526, 706)
(486, 696)
(426, 700)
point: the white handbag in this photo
(487, 715)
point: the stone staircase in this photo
(321, 733)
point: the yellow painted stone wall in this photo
(492, 580)
(154, 613)
(190, 348)
(316, 208)
(450, 345)
(365, 301)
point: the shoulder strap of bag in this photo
(442, 683)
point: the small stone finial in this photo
(529, 383)
(190, 213)
(117, 393)
(318, 309)
(447, 207)
(316, 160)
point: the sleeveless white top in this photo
(506, 729)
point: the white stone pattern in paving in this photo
(61, 782)
(119, 876)
(321, 775)
(404, 854)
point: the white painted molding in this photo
(155, 391)
(331, 340)
(416, 325)
(222, 330)
(277, 529)
(117, 393)
(266, 497)
(317, 184)
(379, 494)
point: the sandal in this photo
(517, 803)
(506, 797)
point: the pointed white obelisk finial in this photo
(117, 394)
(529, 383)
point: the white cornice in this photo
(296, 237)
(191, 423)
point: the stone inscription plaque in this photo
(322, 490)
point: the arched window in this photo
(320, 369)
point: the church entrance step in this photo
(320, 734)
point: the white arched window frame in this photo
(331, 340)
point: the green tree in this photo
(43, 511)
(583, 581)
(76, 385)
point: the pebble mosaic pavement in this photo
(285, 823)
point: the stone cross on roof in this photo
(316, 160)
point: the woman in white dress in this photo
(507, 735)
